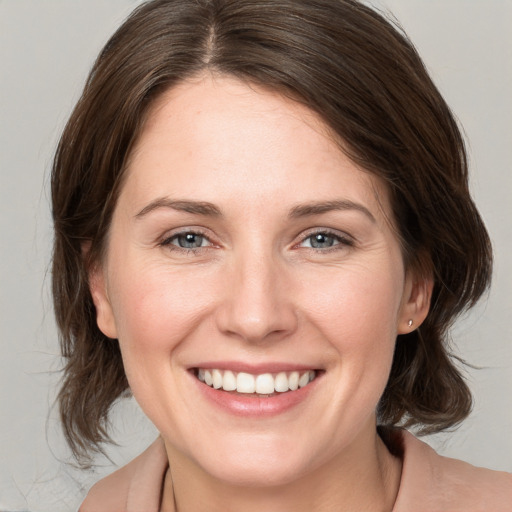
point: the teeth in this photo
(229, 382)
(217, 379)
(264, 384)
(281, 382)
(303, 380)
(293, 381)
(245, 383)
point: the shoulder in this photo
(431, 482)
(134, 487)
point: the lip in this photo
(251, 406)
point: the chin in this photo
(257, 462)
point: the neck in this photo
(365, 476)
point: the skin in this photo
(256, 291)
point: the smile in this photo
(265, 384)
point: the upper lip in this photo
(254, 369)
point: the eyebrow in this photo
(195, 207)
(318, 208)
(209, 209)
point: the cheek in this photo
(360, 305)
(358, 317)
(155, 310)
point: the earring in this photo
(409, 323)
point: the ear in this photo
(415, 302)
(99, 292)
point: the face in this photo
(246, 250)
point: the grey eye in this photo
(322, 240)
(189, 240)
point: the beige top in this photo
(429, 482)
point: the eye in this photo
(324, 240)
(321, 240)
(187, 240)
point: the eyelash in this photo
(342, 241)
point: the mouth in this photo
(263, 385)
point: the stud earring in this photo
(409, 323)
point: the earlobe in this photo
(104, 313)
(415, 304)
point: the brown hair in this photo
(365, 79)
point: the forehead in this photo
(216, 138)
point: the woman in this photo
(263, 232)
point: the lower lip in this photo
(253, 406)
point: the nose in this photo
(257, 304)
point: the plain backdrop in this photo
(46, 50)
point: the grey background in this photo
(46, 50)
